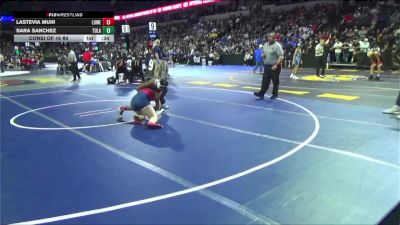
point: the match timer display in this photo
(64, 27)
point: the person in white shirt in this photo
(191, 57)
(73, 62)
(364, 45)
(247, 59)
(338, 50)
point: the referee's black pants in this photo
(268, 75)
(74, 70)
(321, 62)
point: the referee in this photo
(273, 56)
(73, 62)
(321, 55)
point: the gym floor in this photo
(322, 153)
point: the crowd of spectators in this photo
(355, 28)
(21, 58)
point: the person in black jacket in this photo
(137, 69)
(121, 68)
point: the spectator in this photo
(345, 51)
(137, 69)
(247, 59)
(87, 56)
(61, 65)
(364, 45)
(1, 62)
(258, 58)
(241, 34)
(338, 50)
(121, 67)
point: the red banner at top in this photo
(167, 8)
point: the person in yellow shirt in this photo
(159, 64)
(376, 62)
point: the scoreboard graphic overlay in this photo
(64, 27)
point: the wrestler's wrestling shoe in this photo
(152, 125)
(121, 110)
(137, 120)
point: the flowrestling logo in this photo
(62, 15)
